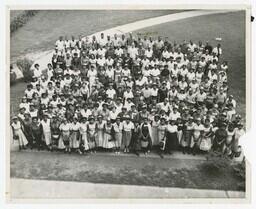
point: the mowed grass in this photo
(41, 32)
(230, 27)
(132, 170)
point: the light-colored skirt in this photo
(85, 141)
(118, 139)
(195, 139)
(206, 144)
(108, 143)
(74, 140)
(127, 135)
(64, 139)
(179, 136)
(22, 138)
(100, 138)
(47, 138)
(91, 141)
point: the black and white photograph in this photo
(127, 104)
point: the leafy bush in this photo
(25, 66)
(21, 20)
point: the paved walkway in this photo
(43, 58)
(43, 189)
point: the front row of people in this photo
(192, 135)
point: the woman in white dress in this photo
(206, 142)
(108, 142)
(100, 132)
(64, 136)
(118, 129)
(18, 133)
(239, 132)
(74, 134)
(128, 127)
(227, 148)
(47, 136)
(197, 136)
(155, 123)
(92, 133)
(84, 145)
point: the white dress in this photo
(17, 131)
(83, 135)
(74, 137)
(46, 131)
(108, 143)
(100, 135)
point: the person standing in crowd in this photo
(117, 134)
(197, 136)
(154, 124)
(128, 128)
(55, 131)
(47, 136)
(92, 133)
(206, 142)
(37, 133)
(220, 137)
(135, 141)
(83, 141)
(18, 133)
(187, 133)
(239, 132)
(171, 137)
(27, 129)
(64, 136)
(146, 136)
(75, 135)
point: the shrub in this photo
(25, 66)
(21, 20)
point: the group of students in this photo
(130, 94)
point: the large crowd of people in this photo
(130, 94)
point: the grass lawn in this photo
(41, 32)
(131, 170)
(230, 27)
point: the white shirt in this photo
(128, 126)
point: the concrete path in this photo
(43, 189)
(43, 58)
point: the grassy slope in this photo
(121, 170)
(230, 27)
(41, 32)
